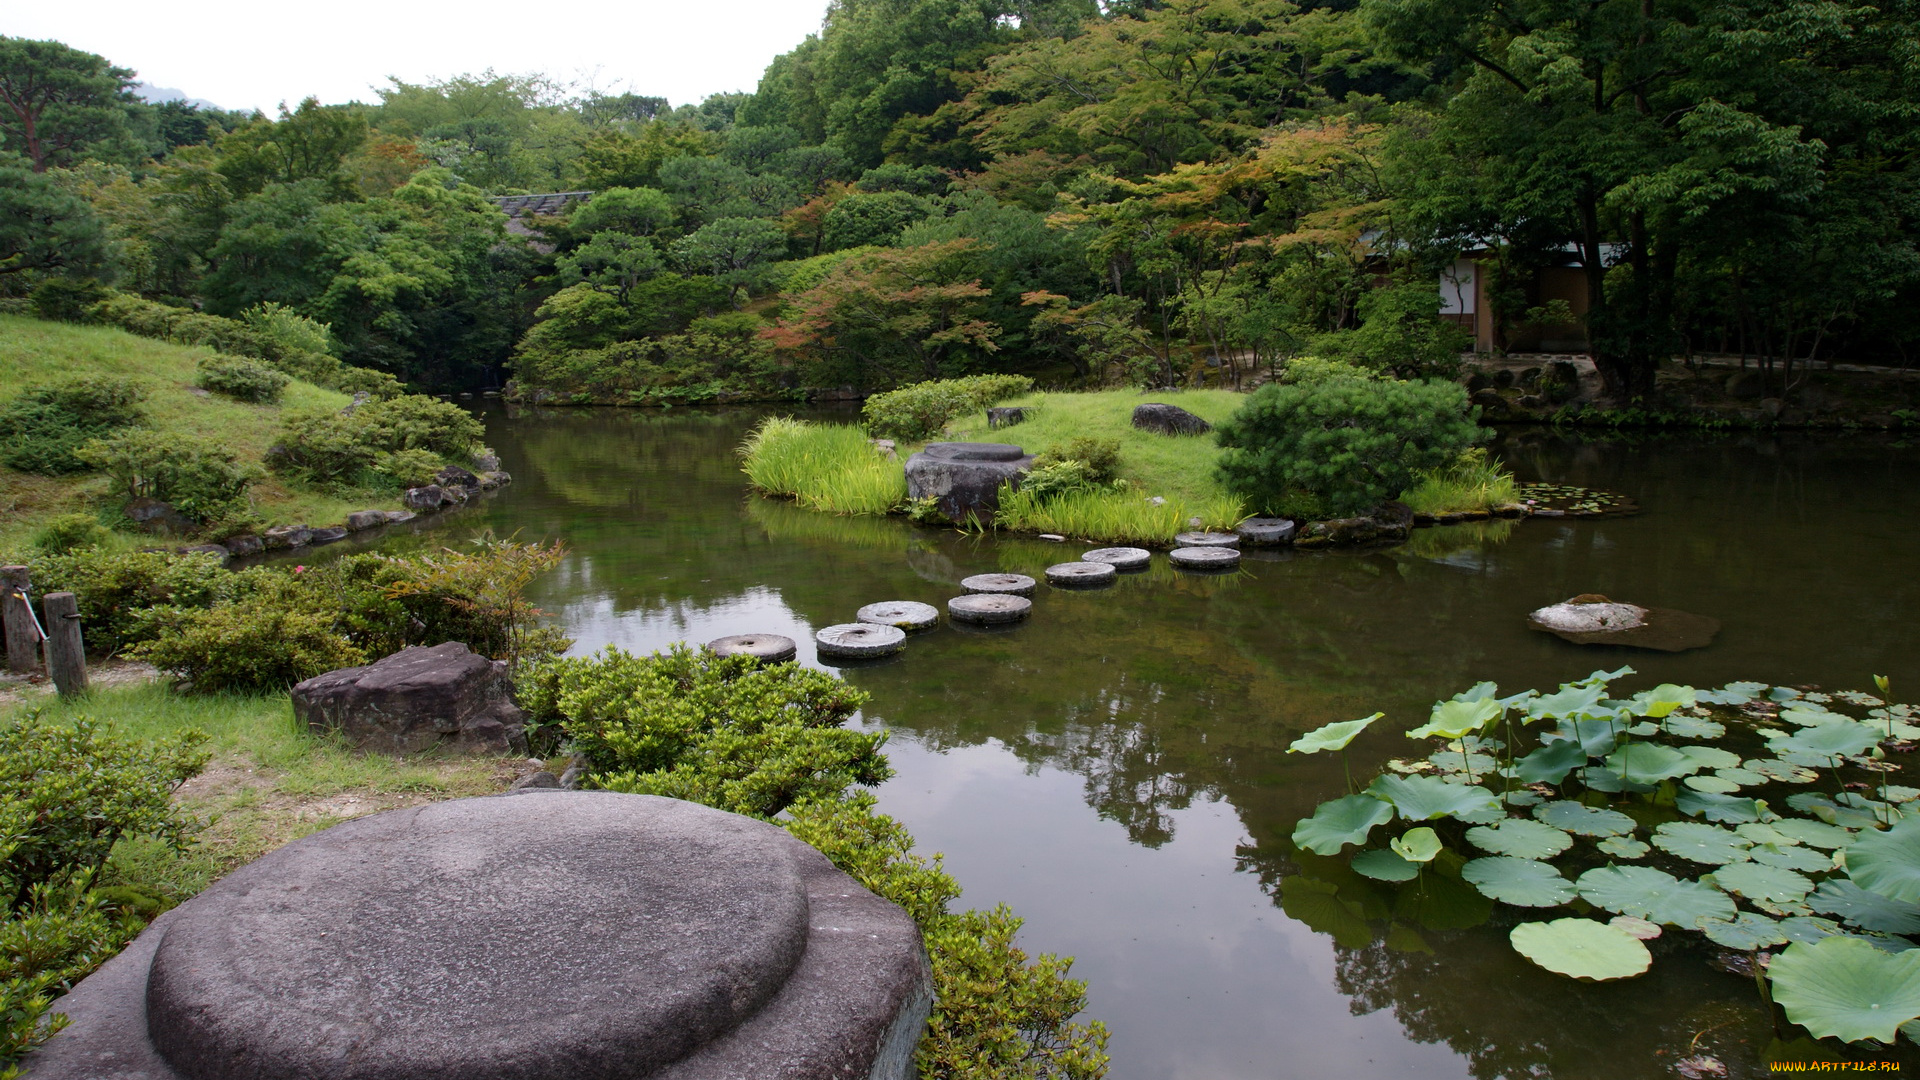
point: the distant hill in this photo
(154, 95)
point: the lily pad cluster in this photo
(1756, 817)
(1574, 501)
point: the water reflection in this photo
(1115, 768)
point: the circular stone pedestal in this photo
(1081, 575)
(769, 648)
(1010, 584)
(905, 614)
(1266, 532)
(988, 609)
(860, 640)
(1120, 558)
(543, 936)
(1207, 539)
(1205, 558)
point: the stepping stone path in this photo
(769, 648)
(1266, 532)
(543, 935)
(1081, 574)
(1207, 539)
(1120, 558)
(1205, 558)
(988, 609)
(860, 640)
(1010, 584)
(905, 614)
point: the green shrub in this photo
(200, 477)
(114, 589)
(273, 334)
(286, 328)
(1350, 442)
(58, 938)
(1044, 483)
(241, 379)
(67, 299)
(1474, 481)
(408, 468)
(722, 731)
(41, 429)
(477, 596)
(71, 532)
(919, 411)
(331, 446)
(1402, 332)
(253, 646)
(1100, 457)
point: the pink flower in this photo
(299, 569)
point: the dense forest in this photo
(1156, 191)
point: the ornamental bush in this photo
(241, 379)
(41, 428)
(202, 478)
(258, 645)
(326, 446)
(1348, 443)
(921, 410)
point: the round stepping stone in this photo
(1266, 532)
(987, 609)
(569, 933)
(1010, 584)
(768, 648)
(1120, 558)
(1205, 558)
(1081, 574)
(1207, 539)
(860, 639)
(905, 614)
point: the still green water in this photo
(1115, 768)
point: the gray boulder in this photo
(1007, 416)
(415, 700)
(327, 535)
(494, 479)
(287, 536)
(366, 519)
(244, 545)
(453, 476)
(157, 517)
(546, 935)
(432, 497)
(965, 478)
(1168, 420)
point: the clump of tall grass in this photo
(827, 467)
(1110, 516)
(1473, 482)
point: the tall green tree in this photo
(308, 143)
(43, 227)
(58, 104)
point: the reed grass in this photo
(1475, 482)
(1114, 516)
(832, 468)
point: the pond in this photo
(1115, 768)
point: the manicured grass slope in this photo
(33, 351)
(1175, 468)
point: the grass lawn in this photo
(34, 351)
(270, 781)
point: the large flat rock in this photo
(540, 936)
(964, 479)
(417, 699)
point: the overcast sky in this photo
(244, 55)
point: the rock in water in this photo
(1592, 619)
(543, 935)
(859, 640)
(1205, 558)
(768, 648)
(964, 479)
(1121, 558)
(415, 700)
(1266, 532)
(989, 609)
(1081, 575)
(1207, 539)
(1011, 584)
(1168, 420)
(905, 614)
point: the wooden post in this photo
(16, 617)
(66, 654)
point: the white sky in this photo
(243, 54)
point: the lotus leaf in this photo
(1653, 894)
(1763, 884)
(1319, 905)
(1729, 808)
(1582, 949)
(1867, 910)
(1813, 833)
(1423, 798)
(1827, 741)
(1846, 989)
(1734, 693)
(1899, 794)
(1888, 862)
(1384, 865)
(1569, 702)
(1715, 784)
(1746, 932)
(1782, 771)
(1649, 763)
(1417, 846)
(1584, 820)
(1522, 797)
(1596, 737)
(1520, 882)
(1711, 757)
(1453, 719)
(1334, 736)
(1443, 903)
(1699, 843)
(1405, 939)
(1521, 839)
(1740, 778)
(1792, 857)
(1623, 847)
(1551, 763)
(1808, 928)
(1639, 928)
(1813, 716)
(1782, 694)
(1662, 700)
(1695, 727)
(1454, 761)
(1761, 833)
(1339, 822)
